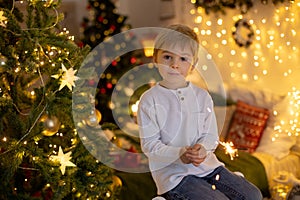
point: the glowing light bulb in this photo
(208, 23)
(220, 21)
(265, 72)
(208, 32)
(232, 75)
(245, 77)
(198, 19)
(209, 56)
(244, 54)
(223, 31)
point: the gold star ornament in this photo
(63, 159)
(67, 77)
(2, 19)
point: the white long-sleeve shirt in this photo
(170, 120)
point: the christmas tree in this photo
(41, 154)
(103, 23)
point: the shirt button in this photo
(179, 92)
(182, 98)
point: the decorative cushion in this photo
(247, 125)
(264, 98)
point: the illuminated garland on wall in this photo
(242, 25)
(222, 5)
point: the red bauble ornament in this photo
(133, 60)
(112, 27)
(100, 19)
(103, 91)
(114, 63)
(109, 85)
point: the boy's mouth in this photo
(174, 73)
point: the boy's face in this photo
(174, 65)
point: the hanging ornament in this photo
(3, 61)
(51, 125)
(63, 159)
(116, 183)
(67, 77)
(94, 119)
(49, 3)
(243, 34)
(3, 19)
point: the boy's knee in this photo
(254, 194)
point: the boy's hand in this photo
(183, 156)
(195, 155)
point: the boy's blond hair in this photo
(177, 34)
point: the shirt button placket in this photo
(180, 96)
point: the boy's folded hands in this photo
(195, 154)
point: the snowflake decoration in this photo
(67, 77)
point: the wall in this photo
(271, 61)
(74, 12)
(151, 13)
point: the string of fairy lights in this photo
(256, 47)
(270, 39)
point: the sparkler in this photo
(229, 149)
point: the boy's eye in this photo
(167, 57)
(186, 59)
(183, 59)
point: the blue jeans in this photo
(221, 184)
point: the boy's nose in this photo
(174, 65)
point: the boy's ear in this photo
(154, 60)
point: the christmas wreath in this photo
(243, 34)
